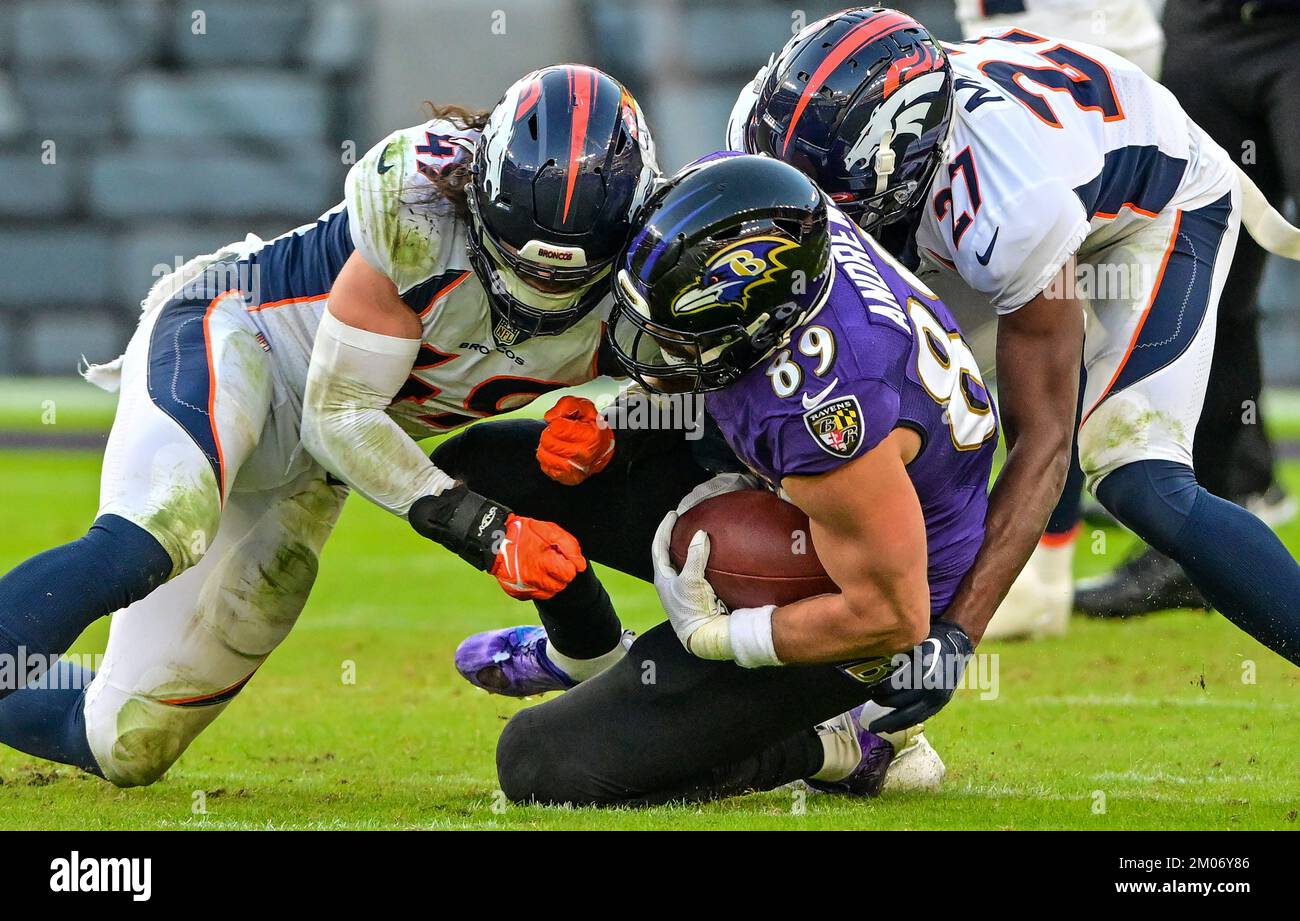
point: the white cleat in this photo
(917, 767)
(1041, 598)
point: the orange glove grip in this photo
(576, 443)
(537, 559)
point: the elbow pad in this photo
(466, 523)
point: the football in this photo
(760, 549)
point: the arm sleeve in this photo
(353, 377)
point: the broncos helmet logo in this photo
(733, 273)
(901, 115)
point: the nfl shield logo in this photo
(504, 333)
(836, 425)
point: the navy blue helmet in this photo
(862, 102)
(564, 161)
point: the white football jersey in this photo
(1056, 149)
(1127, 27)
(395, 219)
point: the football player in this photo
(1059, 181)
(836, 377)
(268, 379)
(1127, 27)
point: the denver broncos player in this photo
(837, 377)
(1057, 180)
(266, 380)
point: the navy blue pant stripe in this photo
(1183, 296)
(180, 374)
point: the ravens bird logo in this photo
(733, 273)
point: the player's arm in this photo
(1039, 348)
(869, 533)
(365, 349)
(870, 536)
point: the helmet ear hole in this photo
(532, 125)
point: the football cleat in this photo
(1148, 582)
(917, 767)
(1274, 506)
(868, 777)
(511, 661)
(1040, 600)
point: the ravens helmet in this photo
(564, 161)
(862, 102)
(724, 260)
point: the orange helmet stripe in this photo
(860, 35)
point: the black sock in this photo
(580, 621)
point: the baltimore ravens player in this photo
(840, 379)
(266, 380)
(1057, 180)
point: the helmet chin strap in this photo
(885, 158)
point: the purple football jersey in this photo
(881, 352)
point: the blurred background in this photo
(137, 133)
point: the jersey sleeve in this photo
(1034, 231)
(397, 219)
(847, 424)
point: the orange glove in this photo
(537, 559)
(576, 442)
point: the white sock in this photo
(583, 669)
(841, 752)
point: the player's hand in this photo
(687, 596)
(576, 443)
(536, 559)
(922, 687)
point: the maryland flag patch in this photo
(836, 425)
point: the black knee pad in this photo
(521, 758)
(535, 764)
(1154, 498)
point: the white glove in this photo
(698, 616)
(687, 596)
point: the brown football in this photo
(760, 549)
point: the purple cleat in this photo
(877, 754)
(510, 661)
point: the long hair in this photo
(451, 181)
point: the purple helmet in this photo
(861, 101)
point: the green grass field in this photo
(1146, 724)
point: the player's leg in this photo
(663, 725)
(1149, 358)
(613, 514)
(176, 659)
(1232, 452)
(195, 392)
